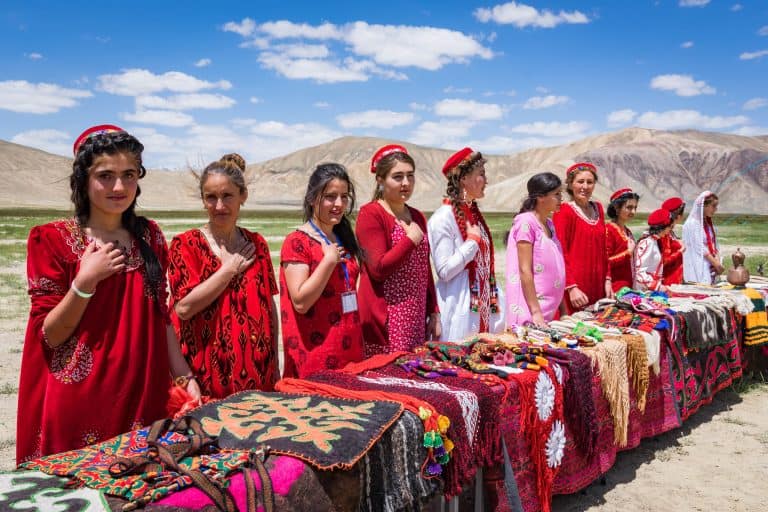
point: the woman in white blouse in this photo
(463, 254)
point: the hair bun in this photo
(234, 159)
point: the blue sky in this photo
(197, 79)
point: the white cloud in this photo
(539, 102)
(541, 89)
(753, 55)
(52, 141)
(500, 144)
(763, 31)
(422, 47)
(40, 98)
(160, 117)
(552, 129)
(321, 104)
(755, 103)
(384, 119)
(138, 82)
(522, 15)
(444, 135)
(417, 106)
(687, 44)
(456, 90)
(693, 3)
(736, 7)
(678, 119)
(203, 63)
(322, 71)
(468, 109)
(255, 100)
(245, 28)
(360, 50)
(303, 51)
(751, 131)
(185, 102)
(682, 85)
(34, 56)
(621, 117)
(288, 30)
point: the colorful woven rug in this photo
(32, 491)
(328, 433)
(89, 466)
(756, 322)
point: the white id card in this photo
(348, 302)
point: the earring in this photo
(380, 188)
(464, 195)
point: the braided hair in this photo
(111, 144)
(453, 192)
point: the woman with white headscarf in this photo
(701, 261)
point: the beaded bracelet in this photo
(80, 293)
(182, 380)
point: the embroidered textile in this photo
(326, 432)
(36, 491)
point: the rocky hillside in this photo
(657, 164)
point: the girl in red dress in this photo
(398, 302)
(319, 265)
(619, 240)
(580, 227)
(672, 247)
(99, 351)
(222, 287)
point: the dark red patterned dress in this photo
(231, 345)
(323, 338)
(112, 375)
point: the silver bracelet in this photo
(79, 293)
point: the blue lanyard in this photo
(343, 263)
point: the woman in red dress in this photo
(398, 302)
(672, 247)
(99, 352)
(319, 265)
(619, 240)
(580, 227)
(222, 286)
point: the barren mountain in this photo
(657, 164)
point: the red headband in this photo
(94, 130)
(581, 166)
(672, 204)
(660, 217)
(386, 151)
(456, 159)
(620, 193)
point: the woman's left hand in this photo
(434, 329)
(194, 389)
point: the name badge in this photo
(348, 302)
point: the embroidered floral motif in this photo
(44, 286)
(91, 436)
(556, 444)
(514, 278)
(557, 284)
(71, 361)
(545, 396)
(538, 268)
(558, 373)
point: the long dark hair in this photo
(539, 185)
(111, 144)
(617, 204)
(318, 181)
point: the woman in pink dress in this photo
(535, 266)
(398, 303)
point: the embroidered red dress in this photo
(112, 375)
(324, 338)
(620, 244)
(583, 242)
(672, 256)
(231, 345)
(397, 291)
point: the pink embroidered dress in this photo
(548, 269)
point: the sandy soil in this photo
(717, 461)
